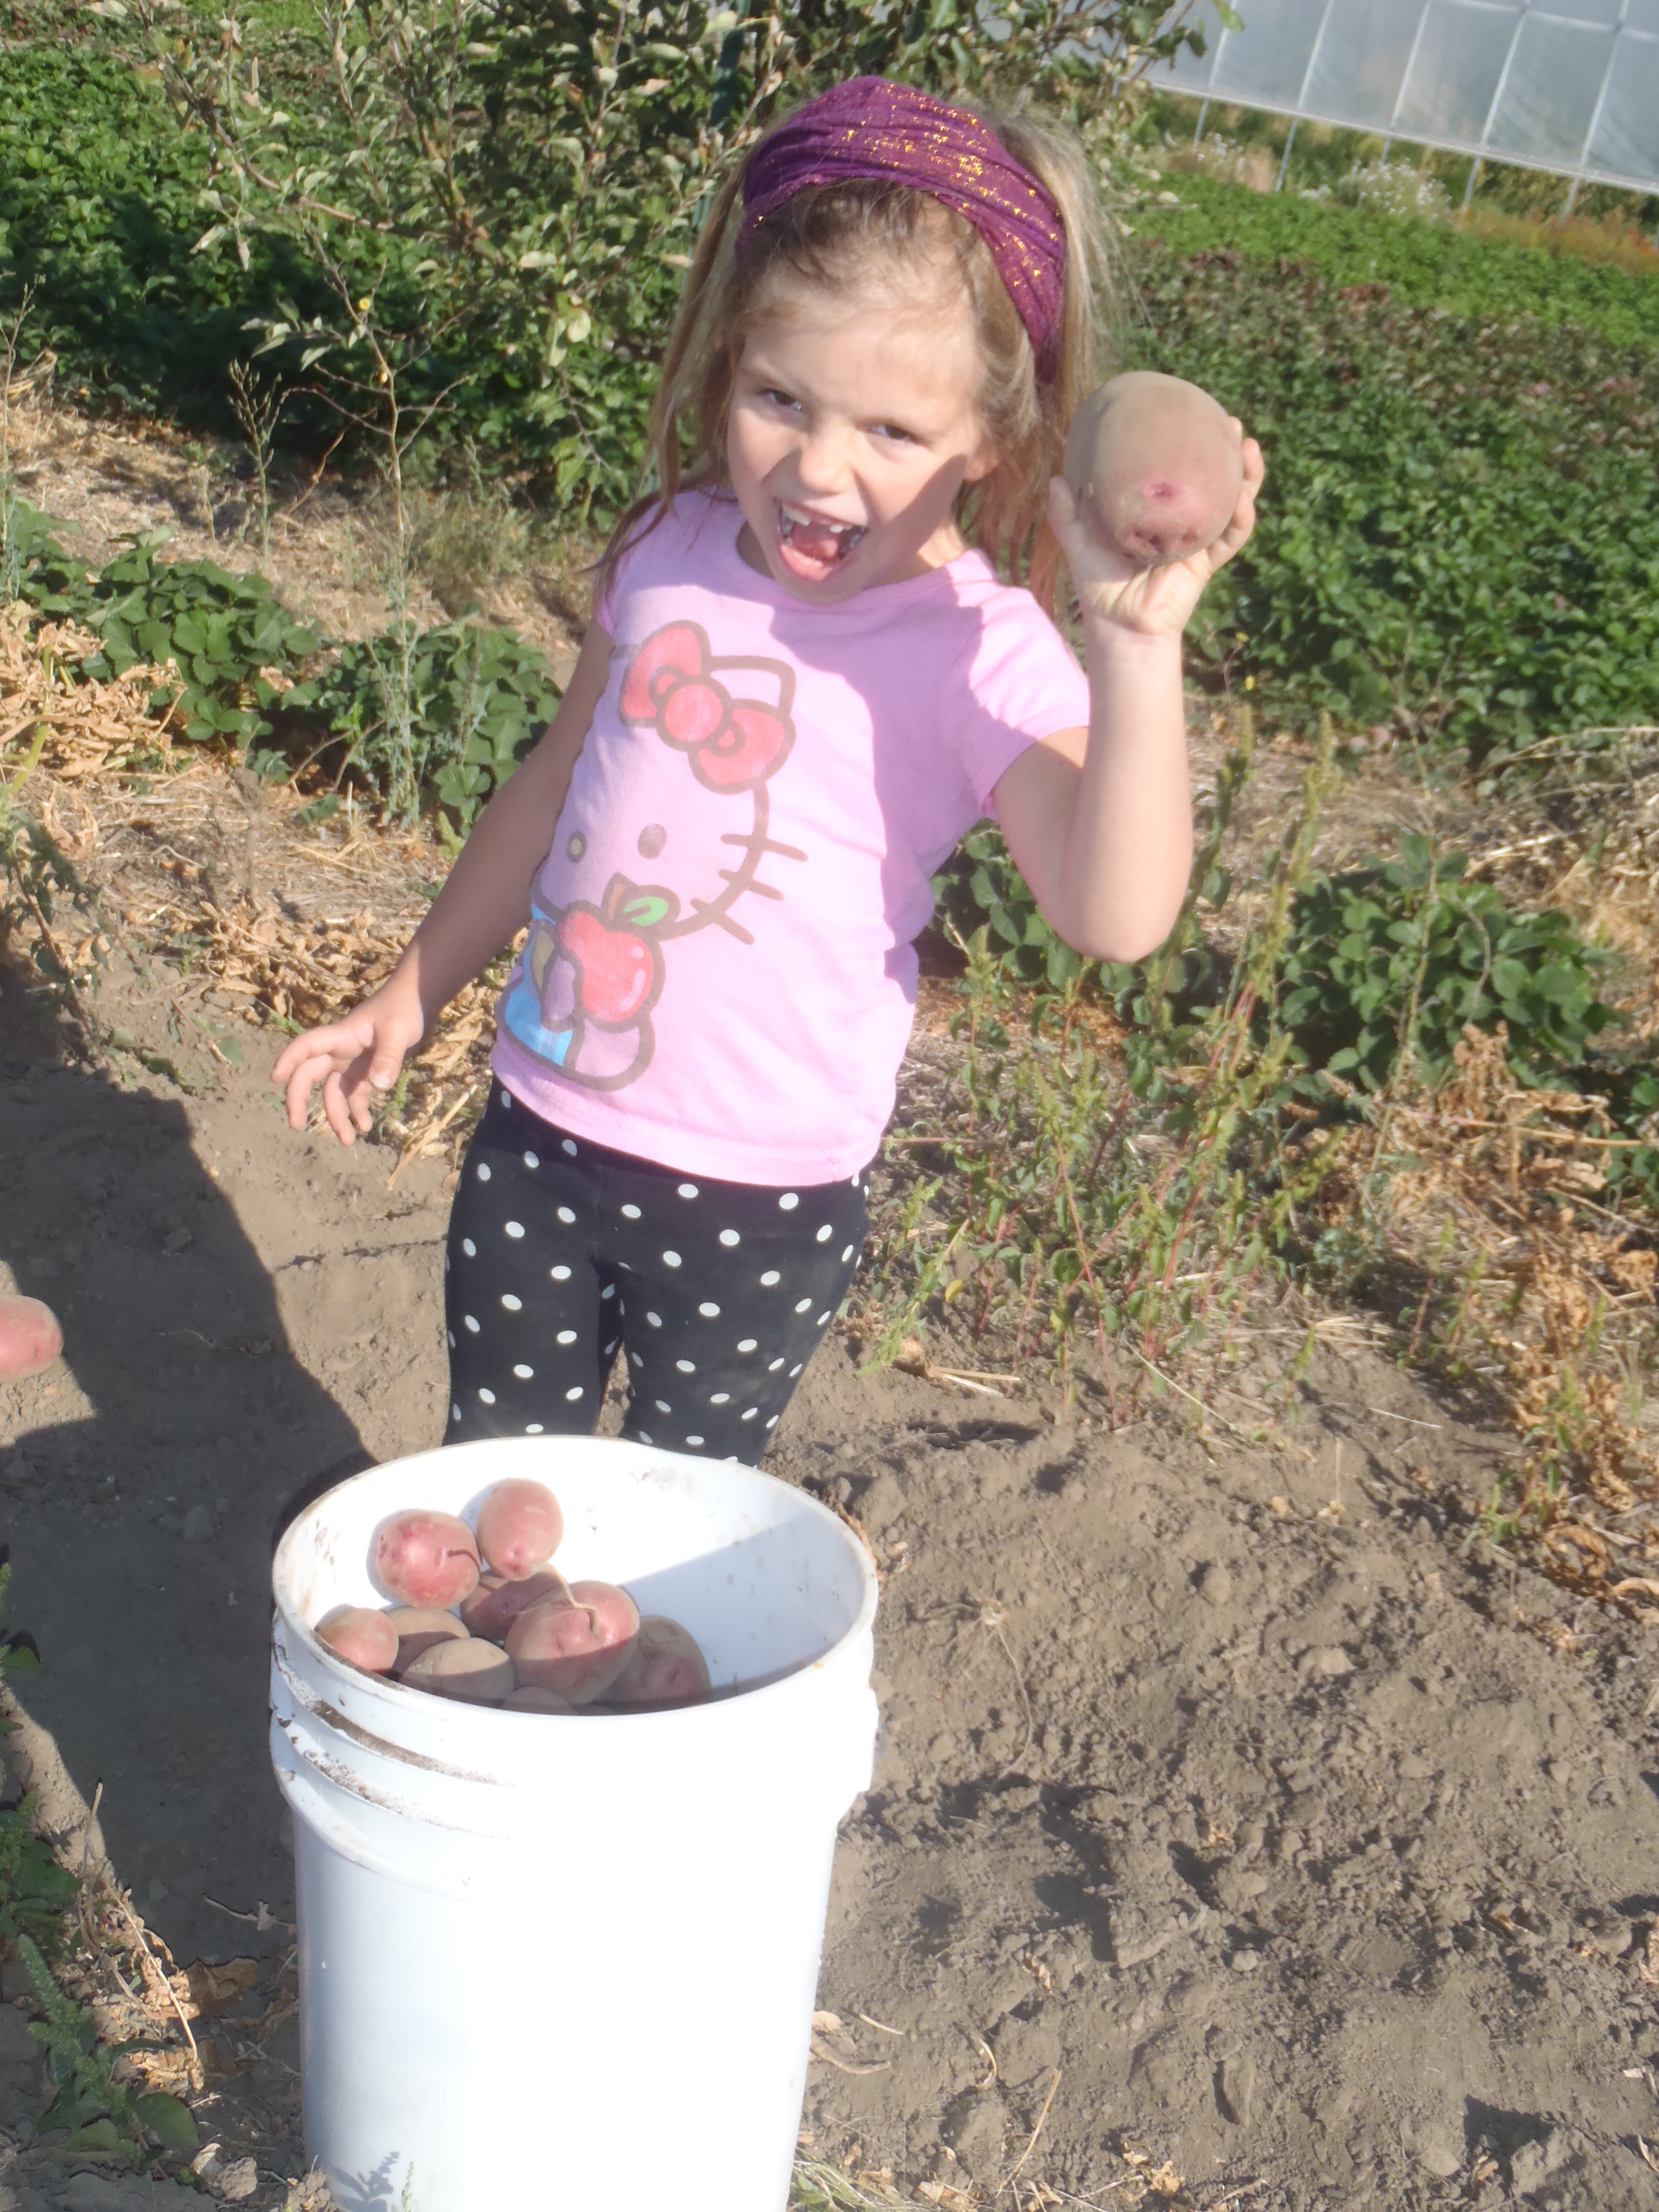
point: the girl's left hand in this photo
(1154, 602)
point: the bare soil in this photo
(1247, 1829)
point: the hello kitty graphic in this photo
(593, 968)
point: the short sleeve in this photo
(1018, 682)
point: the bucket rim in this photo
(383, 1689)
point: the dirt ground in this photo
(1247, 1829)
(1229, 1813)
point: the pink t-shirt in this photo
(720, 974)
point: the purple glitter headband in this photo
(869, 127)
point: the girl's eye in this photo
(893, 431)
(779, 398)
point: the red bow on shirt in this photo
(734, 744)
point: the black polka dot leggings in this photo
(560, 1249)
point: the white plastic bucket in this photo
(557, 1961)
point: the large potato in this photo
(1156, 467)
(520, 1525)
(360, 1634)
(575, 1646)
(426, 1558)
(30, 1338)
(479, 1674)
(665, 1666)
(418, 1627)
(496, 1603)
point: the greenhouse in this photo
(1569, 86)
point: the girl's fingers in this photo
(303, 1079)
(336, 1112)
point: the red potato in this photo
(666, 1667)
(575, 1647)
(1156, 466)
(466, 1667)
(30, 1338)
(496, 1603)
(361, 1635)
(417, 1628)
(530, 1697)
(426, 1558)
(520, 1525)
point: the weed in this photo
(1136, 1198)
(36, 875)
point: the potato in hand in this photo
(1156, 467)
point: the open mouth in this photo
(812, 546)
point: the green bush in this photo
(1397, 957)
(100, 210)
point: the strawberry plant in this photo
(479, 698)
(220, 637)
(1391, 961)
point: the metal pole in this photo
(1284, 162)
(1469, 188)
(1573, 196)
(1198, 129)
(1411, 63)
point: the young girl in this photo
(804, 681)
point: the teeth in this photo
(845, 532)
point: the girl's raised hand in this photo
(353, 1059)
(1154, 602)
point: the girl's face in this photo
(853, 427)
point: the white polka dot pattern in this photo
(531, 1162)
(710, 1312)
(469, 1248)
(788, 1202)
(729, 1237)
(523, 1373)
(513, 1304)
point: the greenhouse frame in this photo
(1569, 86)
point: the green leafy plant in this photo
(218, 635)
(1391, 961)
(479, 697)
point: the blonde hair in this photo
(828, 235)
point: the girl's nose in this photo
(821, 459)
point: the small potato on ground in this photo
(426, 1558)
(361, 1636)
(666, 1667)
(30, 1338)
(575, 1646)
(418, 1627)
(496, 1603)
(520, 1526)
(467, 1667)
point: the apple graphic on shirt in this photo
(611, 946)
